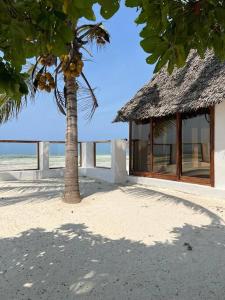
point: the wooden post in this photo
(179, 146)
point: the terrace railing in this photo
(57, 154)
(22, 155)
(103, 154)
(19, 155)
(99, 159)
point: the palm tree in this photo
(47, 75)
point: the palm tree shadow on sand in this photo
(45, 189)
(73, 263)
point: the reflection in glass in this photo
(196, 145)
(140, 161)
(164, 146)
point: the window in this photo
(180, 148)
(196, 145)
(164, 145)
(140, 157)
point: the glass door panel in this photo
(196, 145)
(164, 146)
(140, 147)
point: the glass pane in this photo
(56, 155)
(196, 145)
(141, 158)
(103, 155)
(164, 146)
(18, 156)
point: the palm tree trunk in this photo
(72, 193)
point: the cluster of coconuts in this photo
(48, 60)
(72, 67)
(45, 82)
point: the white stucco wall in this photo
(87, 155)
(44, 156)
(189, 188)
(116, 174)
(220, 146)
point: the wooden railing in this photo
(62, 166)
(11, 156)
(29, 159)
(16, 158)
(112, 167)
(102, 164)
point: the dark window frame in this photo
(178, 176)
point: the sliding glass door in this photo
(140, 147)
(180, 147)
(164, 146)
(196, 145)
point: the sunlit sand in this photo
(120, 242)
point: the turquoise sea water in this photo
(14, 156)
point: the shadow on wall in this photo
(73, 263)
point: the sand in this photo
(121, 242)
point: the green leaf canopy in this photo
(173, 27)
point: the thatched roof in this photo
(200, 84)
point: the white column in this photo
(220, 146)
(119, 172)
(44, 156)
(88, 155)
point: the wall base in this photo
(190, 188)
(31, 174)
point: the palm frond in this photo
(94, 33)
(60, 101)
(90, 33)
(59, 97)
(86, 29)
(10, 108)
(91, 97)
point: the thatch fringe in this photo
(200, 84)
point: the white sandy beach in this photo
(30, 162)
(121, 242)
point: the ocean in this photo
(23, 156)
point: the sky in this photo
(116, 72)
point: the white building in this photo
(177, 125)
